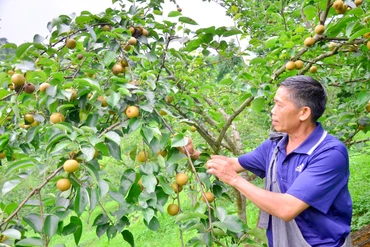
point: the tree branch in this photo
(231, 118)
(324, 14)
(37, 189)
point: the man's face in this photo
(285, 115)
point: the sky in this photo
(22, 19)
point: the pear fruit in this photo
(132, 111)
(28, 118)
(298, 64)
(210, 197)
(319, 29)
(117, 68)
(18, 79)
(57, 117)
(132, 41)
(358, 2)
(173, 209)
(309, 41)
(71, 44)
(142, 156)
(29, 88)
(105, 28)
(290, 65)
(145, 32)
(313, 69)
(63, 184)
(132, 30)
(338, 4)
(182, 178)
(103, 101)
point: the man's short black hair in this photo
(306, 91)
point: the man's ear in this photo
(305, 113)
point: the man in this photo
(306, 201)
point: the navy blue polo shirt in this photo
(317, 173)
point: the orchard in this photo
(132, 84)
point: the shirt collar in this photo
(308, 145)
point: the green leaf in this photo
(153, 224)
(178, 141)
(54, 140)
(174, 14)
(230, 31)
(358, 34)
(93, 194)
(9, 185)
(34, 220)
(12, 233)
(109, 57)
(101, 229)
(31, 133)
(91, 32)
(101, 219)
(221, 213)
(147, 133)
(226, 81)
(189, 216)
(270, 42)
(30, 242)
(194, 44)
(207, 238)
(38, 38)
(23, 163)
(149, 182)
(127, 179)
(113, 136)
(128, 237)
(77, 234)
(89, 152)
(258, 104)
(157, 12)
(310, 12)
(187, 20)
(22, 48)
(51, 225)
(103, 188)
(81, 201)
(234, 224)
(114, 149)
(83, 19)
(111, 232)
(113, 99)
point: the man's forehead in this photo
(281, 94)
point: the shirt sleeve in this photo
(255, 161)
(325, 176)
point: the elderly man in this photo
(306, 201)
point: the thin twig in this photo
(105, 212)
(7, 96)
(109, 128)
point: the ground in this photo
(361, 238)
